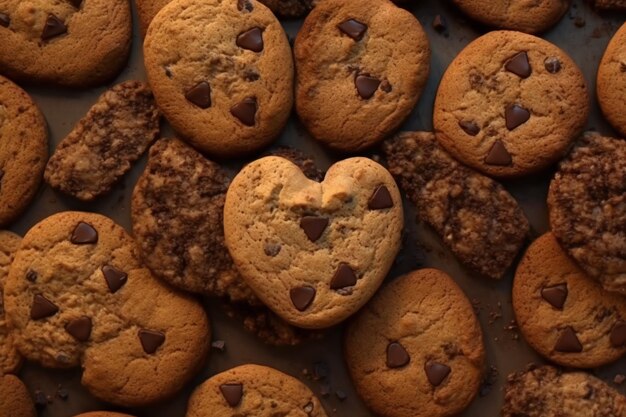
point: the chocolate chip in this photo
(440, 24)
(366, 86)
(76, 3)
(271, 249)
(568, 342)
(200, 95)
(251, 39)
(84, 233)
(436, 372)
(498, 155)
(42, 308)
(244, 5)
(470, 127)
(555, 295)
(515, 115)
(40, 399)
(114, 277)
(232, 393)
(5, 20)
(302, 297)
(353, 28)
(519, 65)
(151, 340)
(53, 28)
(31, 275)
(245, 111)
(618, 334)
(219, 345)
(344, 277)
(552, 64)
(313, 226)
(386, 86)
(381, 199)
(397, 356)
(79, 329)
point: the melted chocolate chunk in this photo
(397, 356)
(200, 95)
(251, 39)
(353, 28)
(302, 297)
(53, 28)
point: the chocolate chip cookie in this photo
(222, 73)
(253, 390)
(416, 349)
(15, 401)
(106, 142)
(360, 71)
(23, 149)
(475, 216)
(10, 359)
(610, 80)
(75, 43)
(76, 295)
(587, 207)
(547, 392)
(510, 104)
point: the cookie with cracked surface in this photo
(69, 43)
(10, 359)
(15, 401)
(546, 391)
(419, 339)
(475, 216)
(77, 295)
(565, 315)
(116, 131)
(587, 208)
(279, 226)
(610, 80)
(23, 150)
(360, 71)
(221, 66)
(510, 104)
(253, 390)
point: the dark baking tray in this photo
(583, 33)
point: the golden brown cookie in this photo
(15, 401)
(10, 359)
(610, 82)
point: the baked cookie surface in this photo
(610, 87)
(15, 401)
(10, 359)
(510, 104)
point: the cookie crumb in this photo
(619, 379)
(219, 345)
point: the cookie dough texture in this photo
(225, 99)
(587, 207)
(23, 149)
(15, 401)
(10, 359)
(510, 104)
(474, 215)
(547, 392)
(293, 271)
(610, 87)
(76, 295)
(265, 392)
(102, 147)
(428, 315)
(67, 43)
(523, 15)
(389, 54)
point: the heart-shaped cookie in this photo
(313, 252)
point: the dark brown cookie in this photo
(306, 164)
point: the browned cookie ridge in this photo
(10, 359)
(611, 79)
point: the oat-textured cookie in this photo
(361, 67)
(475, 216)
(416, 349)
(76, 295)
(15, 401)
(510, 104)
(76, 43)
(587, 207)
(313, 252)
(222, 73)
(565, 315)
(102, 414)
(100, 150)
(10, 359)
(547, 392)
(23, 149)
(253, 390)
(610, 81)
(523, 15)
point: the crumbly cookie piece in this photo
(10, 359)
(547, 392)
(360, 71)
(416, 349)
(15, 401)
(510, 104)
(610, 87)
(77, 295)
(23, 149)
(306, 164)
(100, 150)
(475, 216)
(587, 207)
(75, 43)
(253, 390)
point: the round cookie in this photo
(564, 315)
(221, 72)
(23, 149)
(10, 359)
(15, 401)
(77, 296)
(360, 71)
(416, 349)
(253, 390)
(523, 15)
(510, 104)
(280, 226)
(77, 43)
(587, 208)
(610, 86)
(102, 414)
